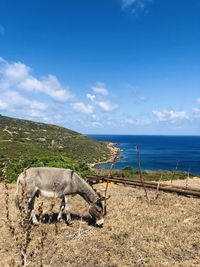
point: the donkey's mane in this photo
(85, 190)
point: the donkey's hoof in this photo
(69, 223)
(35, 222)
(60, 219)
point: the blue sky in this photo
(102, 66)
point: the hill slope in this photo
(22, 140)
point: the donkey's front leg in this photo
(67, 208)
(33, 217)
(64, 206)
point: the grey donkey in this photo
(59, 183)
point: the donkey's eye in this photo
(98, 208)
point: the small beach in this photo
(114, 155)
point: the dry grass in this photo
(189, 182)
(164, 233)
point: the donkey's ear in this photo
(108, 197)
(104, 198)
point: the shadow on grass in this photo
(52, 219)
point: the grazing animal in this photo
(59, 183)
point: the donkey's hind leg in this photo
(31, 203)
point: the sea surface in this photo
(157, 152)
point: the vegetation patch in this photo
(25, 144)
(15, 168)
(148, 175)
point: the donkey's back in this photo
(47, 175)
(46, 181)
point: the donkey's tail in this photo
(16, 200)
(17, 193)
(20, 182)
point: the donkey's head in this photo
(97, 210)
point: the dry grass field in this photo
(164, 233)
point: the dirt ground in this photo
(189, 182)
(165, 232)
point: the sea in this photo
(181, 153)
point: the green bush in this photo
(15, 168)
(128, 171)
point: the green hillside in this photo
(31, 143)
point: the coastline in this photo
(153, 156)
(114, 154)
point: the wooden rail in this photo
(194, 192)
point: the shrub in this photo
(15, 168)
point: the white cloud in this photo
(3, 105)
(137, 121)
(106, 105)
(100, 88)
(11, 101)
(31, 84)
(160, 115)
(53, 88)
(91, 97)
(36, 113)
(17, 75)
(99, 99)
(20, 89)
(170, 115)
(48, 117)
(15, 71)
(38, 105)
(94, 116)
(136, 5)
(96, 124)
(48, 85)
(82, 108)
(196, 110)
